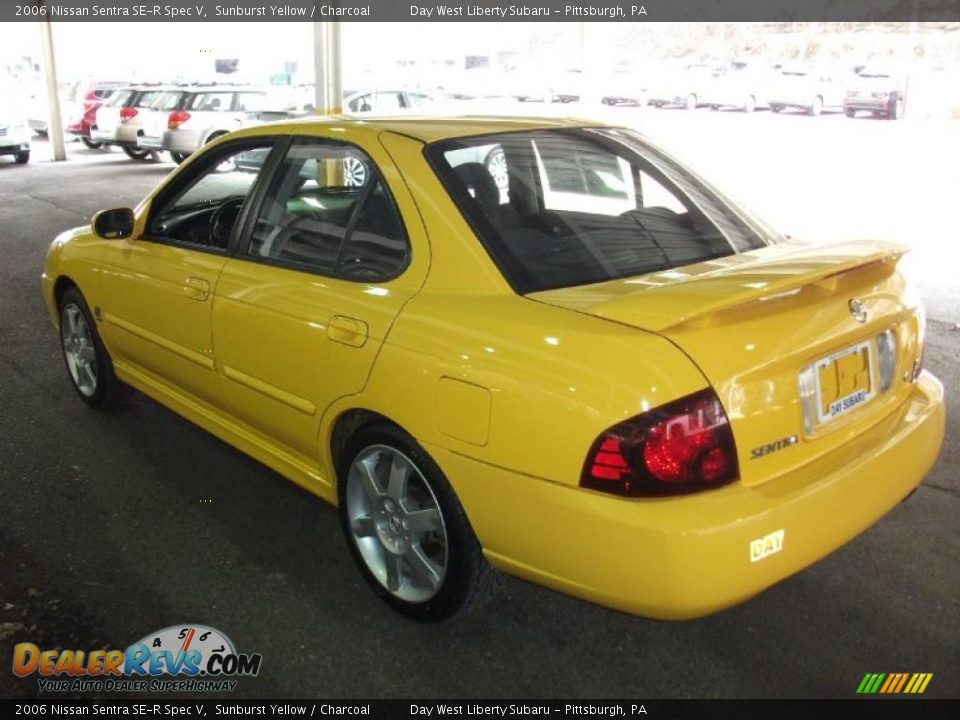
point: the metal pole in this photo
(54, 122)
(320, 68)
(328, 94)
(335, 79)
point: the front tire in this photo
(90, 143)
(406, 529)
(88, 363)
(22, 158)
(816, 107)
(691, 102)
(178, 157)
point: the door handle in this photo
(196, 288)
(347, 330)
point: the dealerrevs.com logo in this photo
(180, 658)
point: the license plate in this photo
(844, 381)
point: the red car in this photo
(92, 97)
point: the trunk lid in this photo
(786, 335)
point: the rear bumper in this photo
(119, 135)
(871, 105)
(181, 140)
(685, 557)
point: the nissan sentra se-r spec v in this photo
(596, 372)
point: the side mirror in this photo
(113, 224)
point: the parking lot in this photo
(117, 524)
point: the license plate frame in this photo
(848, 397)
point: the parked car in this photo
(809, 89)
(881, 92)
(118, 120)
(737, 86)
(185, 119)
(685, 87)
(93, 95)
(619, 88)
(70, 106)
(14, 135)
(384, 102)
(612, 381)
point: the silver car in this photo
(188, 118)
(14, 135)
(119, 120)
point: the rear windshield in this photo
(560, 208)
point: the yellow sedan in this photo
(535, 346)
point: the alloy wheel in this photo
(79, 350)
(354, 172)
(396, 523)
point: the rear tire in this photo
(90, 143)
(776, 108)
(406, 529)
(691, 102)
(135, 153)
(816, 107)
(22, 158)
(750, 105)
(178, 157)
(850, 113)
(89, 366)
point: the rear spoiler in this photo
(672, 298)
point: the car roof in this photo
(433, 129)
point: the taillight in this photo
(681, 447)
(128, 113)
(177, 118)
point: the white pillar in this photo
(54, 122)
(328, 94)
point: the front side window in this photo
(328, 211)
(201, 209)
(560, 208)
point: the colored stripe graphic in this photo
(894, 683)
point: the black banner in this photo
(480, 10)
(873, 709)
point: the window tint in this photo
(572, 207)
(203, 208)
(377, 246)
(323, 195)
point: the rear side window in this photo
(146, 99)
(328, 211)
(168, 101)
(251, 101)
(210, 102)
(561, 208)
(121, 98)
